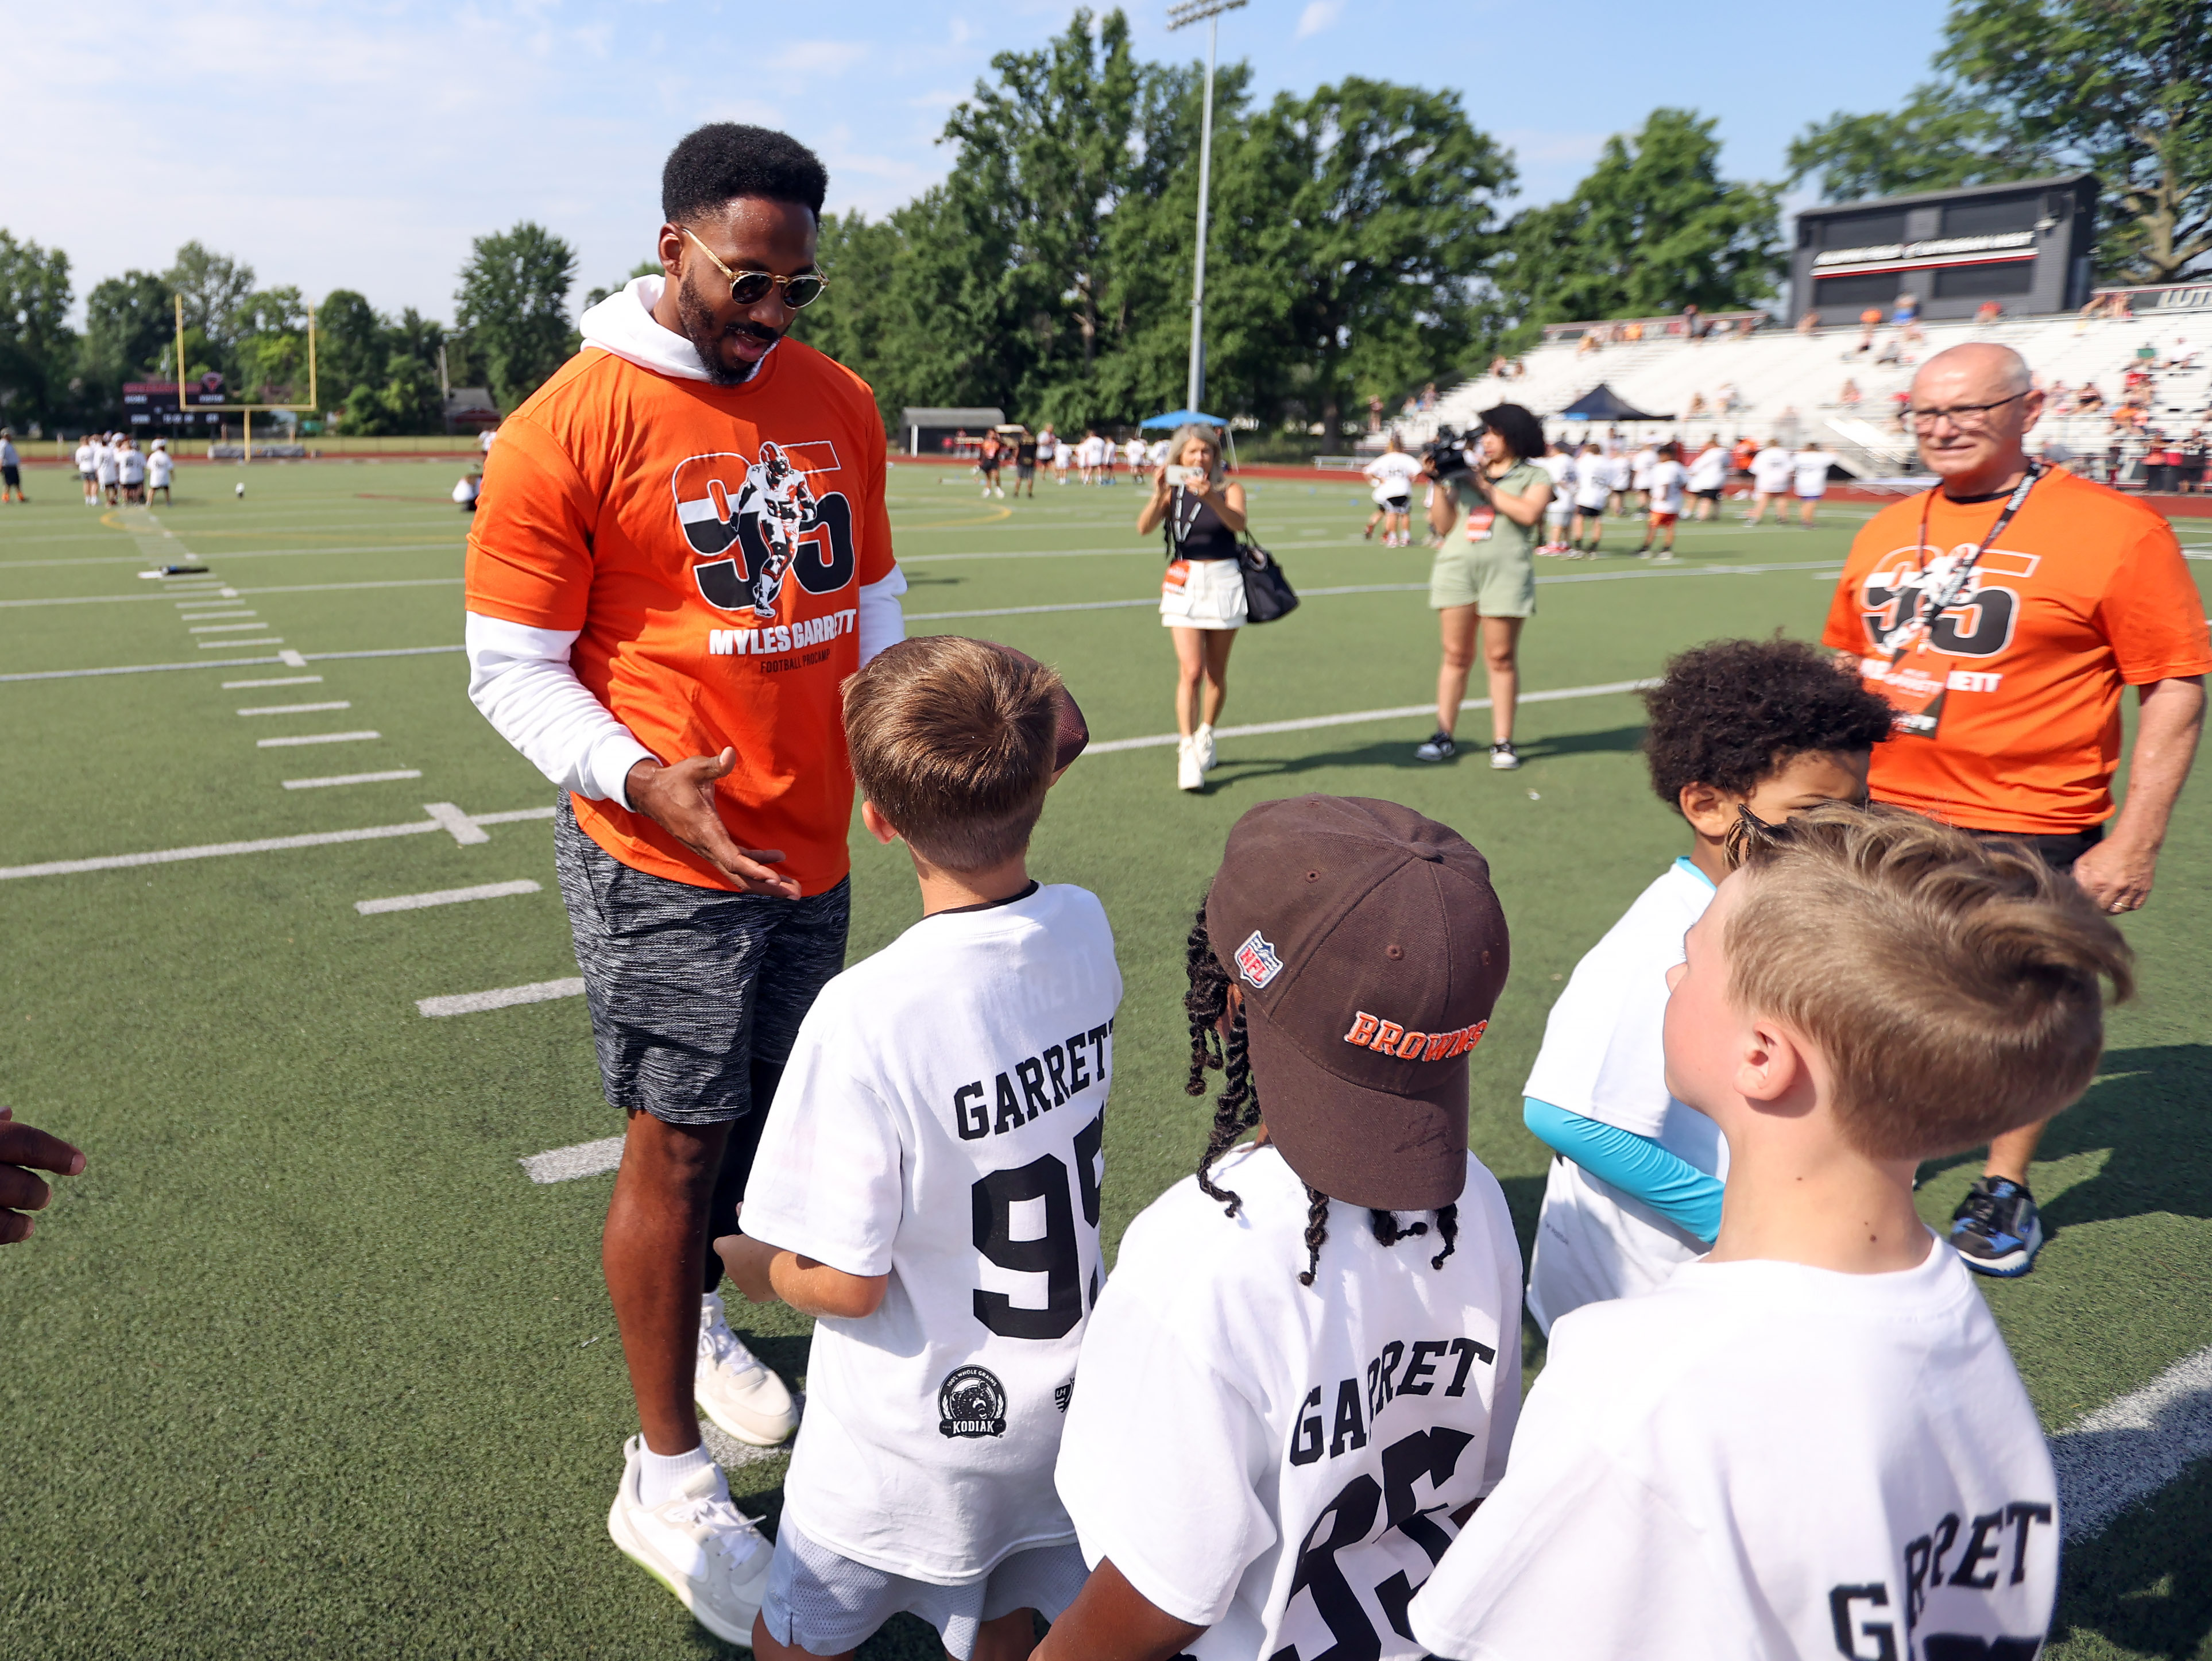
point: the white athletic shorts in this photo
(1811, 496)
(1392, 502)
(1203, 593)
(826, 1603)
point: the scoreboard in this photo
(2026, 245)
(152, 406)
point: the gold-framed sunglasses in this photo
(750, 288)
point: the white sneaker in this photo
(740, 1393)
(699, 1545)
(1189, 775)
(1205, 755)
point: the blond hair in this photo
(1953, 984)
(953, 740)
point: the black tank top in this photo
(1197, 530)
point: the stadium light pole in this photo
(1208, 12)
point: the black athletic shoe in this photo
(1996, 1228)
(1439, 747)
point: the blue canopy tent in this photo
(1174, 418)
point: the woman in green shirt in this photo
(1485, 587)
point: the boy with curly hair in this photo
(1814, 1441)
(1769, 727)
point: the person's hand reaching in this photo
(680, 799)
(23, 1151)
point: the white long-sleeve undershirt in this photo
(520, 679)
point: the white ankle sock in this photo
(660, 1476)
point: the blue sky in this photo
(362, 145)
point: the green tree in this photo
(271, 334)
(1940, 139)
(643, 268)
(2122, 87)
(2125, 85)
(213, 287)
(852, 321)
(1377, 208)
(36, 346)
(1654, 228)
(129, 330)
(513, 306)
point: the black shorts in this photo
(1713, 495)
(11, 476)
(689, 987)
(2058, 852)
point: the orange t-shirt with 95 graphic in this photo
(710, 543)
(2086, 592)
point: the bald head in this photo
(1975, 373)
(1975, 405)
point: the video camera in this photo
(1445, 455)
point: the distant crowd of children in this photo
(116, 472)
(1775, 1418)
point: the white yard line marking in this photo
(354, 778)
(500, 997)
(296, 708)
(314, 737)
(487, 890)
(226, 594)
(265, 845)
(288, 657)
(2133, 1446)
(232, 645)
(200, 627)
(1357, 716)
(464, 830)
(280, 680)
(565, 1165)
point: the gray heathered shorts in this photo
(688, 987)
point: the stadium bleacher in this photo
(1791, 385)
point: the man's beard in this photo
(707, 336)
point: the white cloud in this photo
(1318, 16)
(825, 58)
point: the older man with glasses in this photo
(2001, 614)
(681, 554)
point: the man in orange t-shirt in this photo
(682, 553)
(2009, 700)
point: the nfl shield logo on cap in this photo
(1256, 960)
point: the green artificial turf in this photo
(303, 1363)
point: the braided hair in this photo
(1236, 1109)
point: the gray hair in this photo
(1208, 436)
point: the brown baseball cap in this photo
(1370, 947)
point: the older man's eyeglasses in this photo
(750, 288)
(1967, 417)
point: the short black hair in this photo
(1522, 433)
(1732, 712)
(725, 159)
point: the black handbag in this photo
(1267, 592)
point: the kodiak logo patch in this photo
(1256, 960)
(971, 1402)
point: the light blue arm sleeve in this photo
(1669, 1184)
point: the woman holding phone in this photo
(1485, 587)
(1202, 598)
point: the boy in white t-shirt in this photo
(1559, 465)
(87, 469)
(1708, 477)
(11, 469)
(1809, 467)
(1812, 1443)
(1391, 473)
(161, 466)
(1593, 475)
(1665, 483)
(1771, 469)
(927, 1185)
(1769, 727)
(1290, 1402)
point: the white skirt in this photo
(1203, 593)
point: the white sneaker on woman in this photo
(1189, 774)
(739, 1391)
(698, 1544)
(1206, 756)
